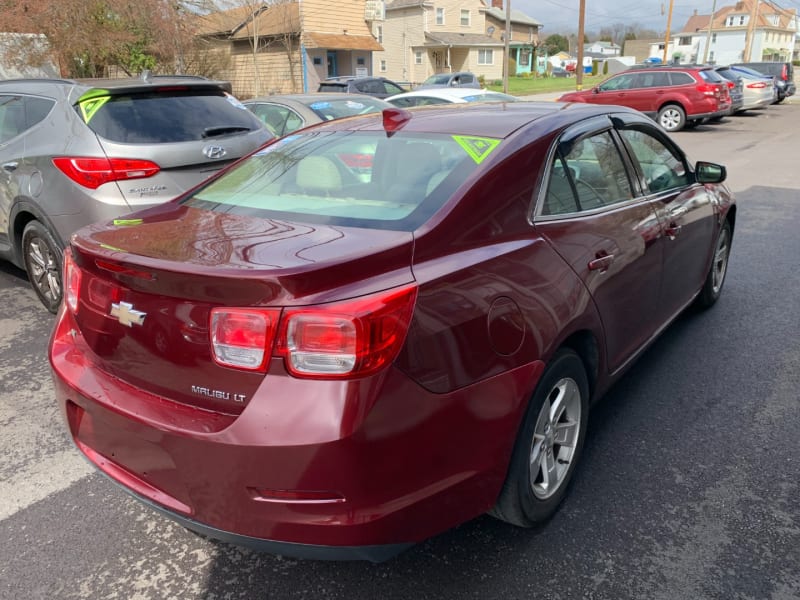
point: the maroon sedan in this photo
(378, 328)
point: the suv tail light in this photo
(708, 89)
(72, 281)
(784, 74)
(94, 172)
(354, 338)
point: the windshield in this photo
(751, 72)
(440, 79)
(359, 179)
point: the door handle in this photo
(678, 212)
(602, 262)
(10, 166)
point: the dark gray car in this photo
(75, 152)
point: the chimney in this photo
(497, 4)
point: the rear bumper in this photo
(340, 470)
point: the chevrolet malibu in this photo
(330, 359)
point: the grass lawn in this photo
(522, 86)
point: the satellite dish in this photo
(490, 29)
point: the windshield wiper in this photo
(223, 130)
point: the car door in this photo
(685, 211)
(616, 90)
(591, 215)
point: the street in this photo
(689, 486)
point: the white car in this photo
(426, 97)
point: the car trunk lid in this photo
(148, 287)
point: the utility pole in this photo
(505, 46)
(669, 25)
(579, 43)
(708, 37)
(748, 42)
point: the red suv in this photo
(675, 96)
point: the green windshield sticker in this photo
(477, 147)
(127, 222)
(90, 105)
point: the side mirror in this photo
(707, 172)
(596, 90)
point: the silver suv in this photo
(75, 152)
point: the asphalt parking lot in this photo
(689, 487)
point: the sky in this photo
(561, 16)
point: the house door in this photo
(333, 69)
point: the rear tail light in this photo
(94, 172)
(731, 85)
(339, 340)
(708, 89)
(71, 281)
(757, 85)
(784, 74)
(355, 338)
(242, 338)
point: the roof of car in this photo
(125, 83)
(491, 120)
(445, 92)
(315, 97)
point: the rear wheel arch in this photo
(22, 213)
(584, 343)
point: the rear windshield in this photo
(332, 87)
(711, 75)
(158, 117)
(358, 179)
(441, 79)
(328, 110)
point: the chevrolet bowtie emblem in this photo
(127, 315)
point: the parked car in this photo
(757, 91)
(457, 79)
(769, 81)
(675, 96)
(735, 89)
(74, 152)
(380, 87)
(283, 114)
(783, 72)
(428, 97)
(560, 72)
(363, 365)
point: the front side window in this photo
(346, 178)
(440, 16)
(621, 82)
(661, 167)
(485, 57)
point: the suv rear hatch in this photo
(168, 136)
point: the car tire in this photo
(557, 411)
(712, 287)
(671, 118)
(42, 256)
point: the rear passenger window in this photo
(20, 113)
(662, 169)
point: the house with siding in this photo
(289, 46)
(774, 31)
(424, 37)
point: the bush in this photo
(512, 67)
(482, 80)
(605, 67)
(594, 68)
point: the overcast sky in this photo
(562, 15)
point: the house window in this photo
(418, 57)
(524, 57)
(685, 41)
(465, 17)
(383, 66)
(360, 61)
(713, 38)
(440, 16)
(485, 57)
(741, 20)
(379, 34)
(317, 60)
(711, 56)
